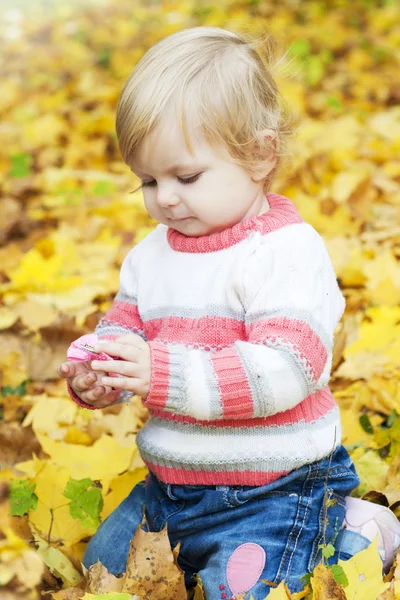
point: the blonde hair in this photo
(213, 77)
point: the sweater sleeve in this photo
(292, 305)
(122, 317)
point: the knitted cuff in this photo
(167, 382)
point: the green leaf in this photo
(327, 551)
(22, 497)
(86, 501)
(391, 418)
(366, 423)
(334, 102)
(104, 188)
(20, 164)
(19, 390)
(306, 578)
(300, 48)
(104, 57)
(314, 70)
(339, 575)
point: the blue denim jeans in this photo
(286, 518)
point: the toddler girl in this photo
(224, 325)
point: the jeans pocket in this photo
(350, 543)
(159, 506)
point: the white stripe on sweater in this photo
(187, 445)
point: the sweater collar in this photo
(282, 212)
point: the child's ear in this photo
(266, 152)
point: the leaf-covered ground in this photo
(67, 221)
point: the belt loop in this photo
(170, 494)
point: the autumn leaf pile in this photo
(68, 220)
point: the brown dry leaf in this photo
(72, 593)
(388, 594)
(101, 581)
(325, 586)
(17, 444)
(151, 569)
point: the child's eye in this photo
(184, 181)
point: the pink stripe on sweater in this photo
(298, 333)
(282, 212)
(125, 314)
(233, 385)
(187, 477)
(207, 331)
(312, 408)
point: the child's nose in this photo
(166, 197)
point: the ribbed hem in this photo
(198, 477)
(282, 212)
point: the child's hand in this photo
(135, 365)
(86, 384)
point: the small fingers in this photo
(100, 396)
(70, 369)
(64, 370)
(82, 382)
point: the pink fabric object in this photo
(244, 568)
(75, 352)
(370, 520)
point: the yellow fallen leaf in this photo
(383, 278)
(74, 435)
(35, 315)
(52, 512)
(372, 470)
(7, 317)
(348, 257)
(279, 593)
(377, 348)
(122, 426)
(119, 489)
(364, 572)
(346, 183)
(103, 460)
(49, 413)
(58, 563)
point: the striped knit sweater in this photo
(240, 325)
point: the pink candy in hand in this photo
(78, 352)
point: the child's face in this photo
(218, 193)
